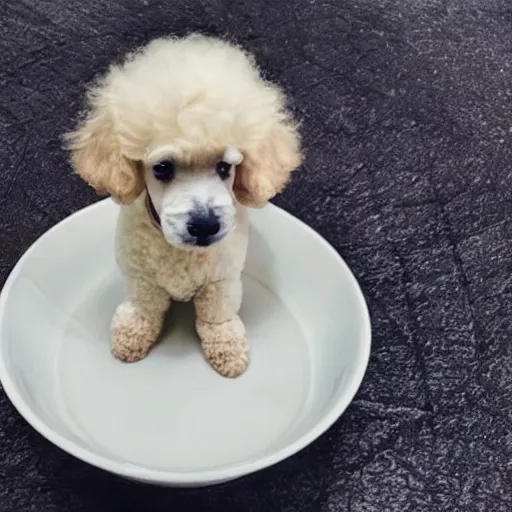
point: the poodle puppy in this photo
(184, 135)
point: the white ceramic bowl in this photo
(170, 419)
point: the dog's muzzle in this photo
(203, 228)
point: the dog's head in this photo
(192, 122)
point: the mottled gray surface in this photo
(408, 126)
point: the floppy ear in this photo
(98, 159)
(266, 168)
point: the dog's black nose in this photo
(203, 227)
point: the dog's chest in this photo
(182, 274)
(142, 251)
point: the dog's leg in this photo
(138, 320)
(221, 331)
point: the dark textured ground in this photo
(408, 125)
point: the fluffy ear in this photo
(98, 159)
(266, 168)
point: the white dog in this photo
(185, 134)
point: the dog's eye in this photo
(164, 171)
(223, 170)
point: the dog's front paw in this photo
(225, 347)
(132, 335)
(230, 358)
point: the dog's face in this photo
(194, 200)
(169, 119)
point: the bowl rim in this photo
(184, 478)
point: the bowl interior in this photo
(170, 418)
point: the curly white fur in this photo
(194, 102)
